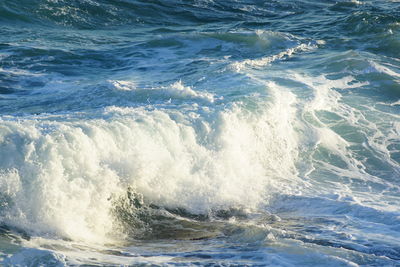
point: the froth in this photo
(60, 177)
(176, 90)
(264, 61)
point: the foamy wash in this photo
(199, 133)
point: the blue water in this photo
(201, 132)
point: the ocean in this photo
(199, 133)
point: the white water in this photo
(307, 159)
(60, 176)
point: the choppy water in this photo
(199, 132)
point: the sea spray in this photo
(68, 172)
(199, 133)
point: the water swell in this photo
(111, 13)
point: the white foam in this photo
(375, 67)
(123, 85)
(327, 97)
(396, 103)
(19, 72)
(61, 176)
(261, 62)
(176, 90)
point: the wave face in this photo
(199, 133)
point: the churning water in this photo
(199, 132)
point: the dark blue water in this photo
(199, 132)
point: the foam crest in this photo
(176, 90)
(375, 67)
(63, 186)
(263, 61)
(61, 177)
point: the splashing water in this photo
(199, 132)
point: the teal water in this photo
(217, 133)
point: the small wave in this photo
(91, 14)
(378, 68)
(176, 90)
(261, 62)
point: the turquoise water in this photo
(218, 133)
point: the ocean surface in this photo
(199, 132)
